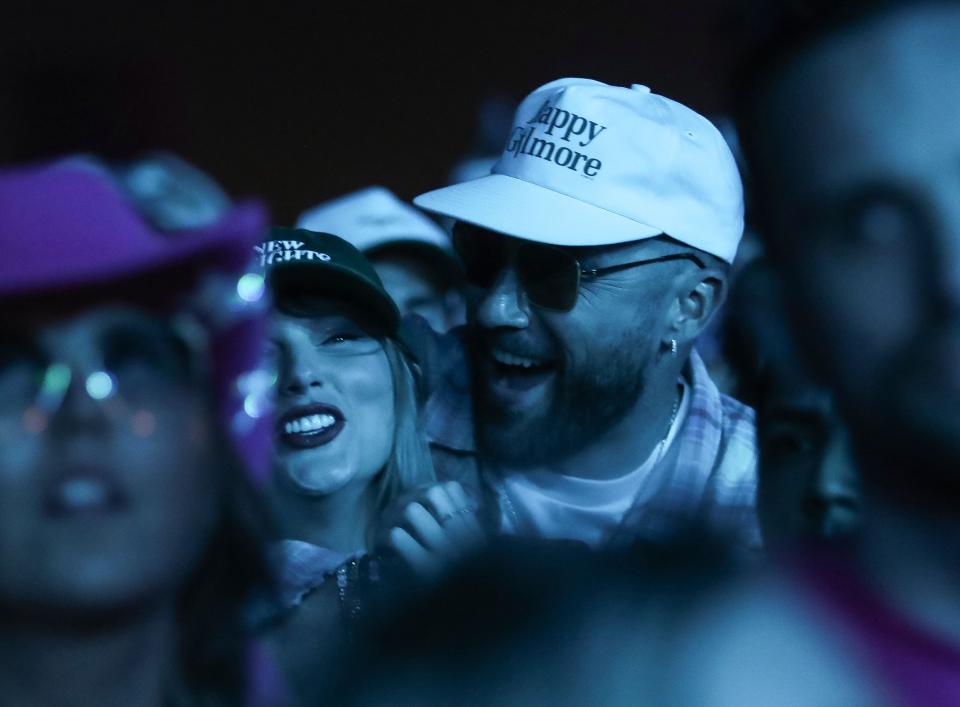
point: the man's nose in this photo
(505, 303)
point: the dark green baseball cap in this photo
(307, 262)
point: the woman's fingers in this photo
(456, 493)
(454, 510)
(439, 526)
(412, 552)
(440, 503)
(466, 510)
(426, 529)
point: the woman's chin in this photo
(310, 483)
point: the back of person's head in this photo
(535, 623)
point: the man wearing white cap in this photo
(412, 255)
(600, 244)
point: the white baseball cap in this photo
(374, 217)
(471, 168)
(592, 164)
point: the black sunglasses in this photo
(550, 276)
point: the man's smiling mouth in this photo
(505, 358)
(511, 374)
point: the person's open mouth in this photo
(516, 372)
(84, 490)
(310, 426)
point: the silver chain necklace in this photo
(659, 451)
(661, 446)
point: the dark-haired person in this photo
(808, 486)
(597, 251)
(850, 128)
(348, 449)
(130, 423)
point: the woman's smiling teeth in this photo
(309, 424)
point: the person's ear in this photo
(698, 300)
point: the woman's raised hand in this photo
(437, 526)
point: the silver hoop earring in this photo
(673, 347)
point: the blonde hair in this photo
(410, 463)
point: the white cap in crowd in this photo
(374, 217)
(591, 164)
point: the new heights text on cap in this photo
(591, 164)
(302, 261)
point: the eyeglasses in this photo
(550, 276)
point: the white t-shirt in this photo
(549, 505)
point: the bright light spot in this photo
(258, 380)
(100, 385)
(256, 405)
(250, 287)
(56, 380)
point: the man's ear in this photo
(698, 302)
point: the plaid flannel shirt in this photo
(707, 479)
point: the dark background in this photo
(297, 101)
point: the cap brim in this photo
(337, 283)
(225, 245)
(522, 209)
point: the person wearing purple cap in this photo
(131, 436)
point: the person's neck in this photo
(338, 521)
(630, 442)
(123, 662)
(913, 561)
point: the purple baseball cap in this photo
(66, 227)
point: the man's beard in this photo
(583, 406)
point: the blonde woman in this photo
(348, 450)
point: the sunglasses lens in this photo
(482, 258)
(549, 275)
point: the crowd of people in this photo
(548, 435)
